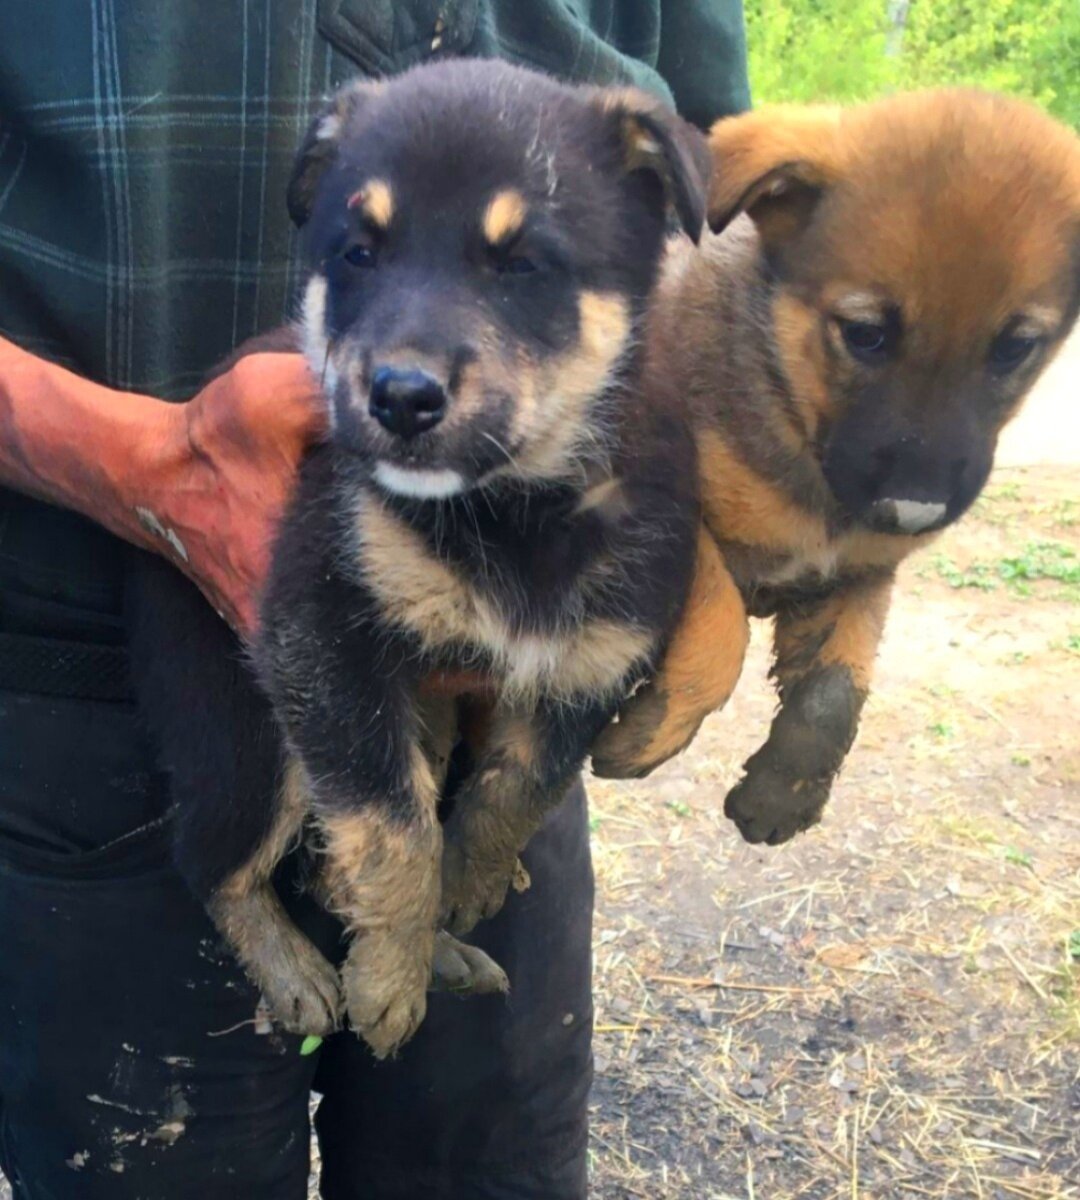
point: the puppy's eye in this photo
(1008, 350)
(515, 264)
(360, 255)
(865, 341)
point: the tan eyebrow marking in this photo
(1038, 321)
(504, 216)
(859, 306)
(376, 201)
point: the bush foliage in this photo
(846, 50)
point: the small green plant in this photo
(679, 807)
(1041, 561)
(977, 575)
(941, 729)
(1021, 760)
(1018, 858)
(1073, 945)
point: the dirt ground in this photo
(889, 1008)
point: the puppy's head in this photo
(925, 254)
(481, 240)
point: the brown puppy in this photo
(851, 348)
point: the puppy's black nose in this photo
(406, 402)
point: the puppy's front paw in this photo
(649, 731)
(474, 887)
(386, 978)
(772, 808)
(302, 990)
(465, 970)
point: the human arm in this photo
(203, 482)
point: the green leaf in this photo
(310, 1044)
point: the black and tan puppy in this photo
(851, 348)
(495, 497)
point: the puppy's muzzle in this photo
(406, 402)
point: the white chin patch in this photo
(419, 484)
(315, 345)
(912, 516)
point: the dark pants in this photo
(130, 1066)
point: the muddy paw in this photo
(386, 978)
(465, 970)
(303, 992)
(645, 736)
(473, 890)
(769, 807)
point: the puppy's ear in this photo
(656, 139)
(774, 165)
(320, 145)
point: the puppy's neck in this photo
(717, 340)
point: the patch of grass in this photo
(1021, 760)
(942, 729)
(1018, 858)
(1037, 562)
(1042, 561)
(978, 575)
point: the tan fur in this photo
(292, 807)
(607, 495)
(431, 599)
(381, 873)
(376, 201)
(713, 597)
(298, 983)
(382, 877)
(504, 217)
(554, 395)
(845, 631)
(702, 664)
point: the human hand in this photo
(204, 482)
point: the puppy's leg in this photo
(456, 967)
(381, 875)
(299, 984)
(465, 970)
(824, 657)
(700, 668)
(238, 806)
(345, 688)
(529, 760)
